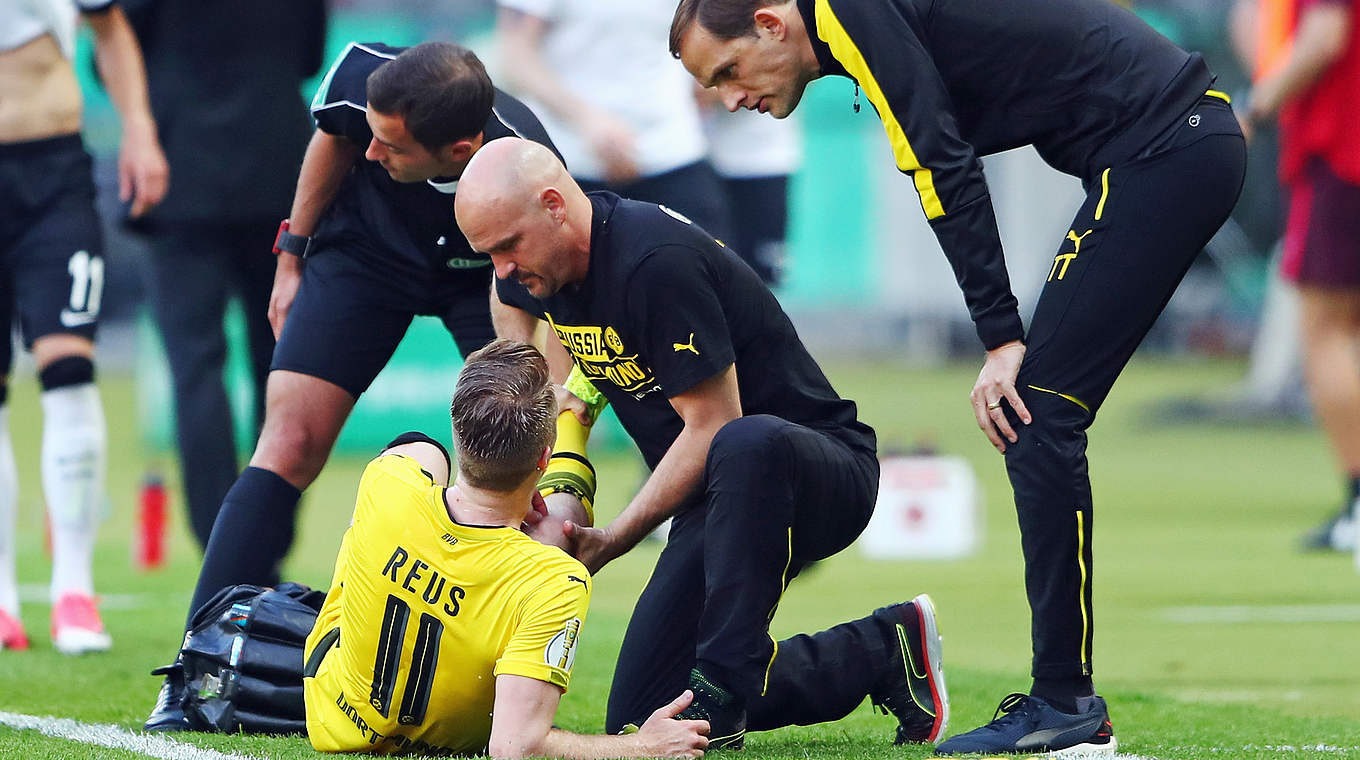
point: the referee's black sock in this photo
(251, 536)
(1062, 693)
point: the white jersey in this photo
(22, 21)
(613, 53)
(747, 145)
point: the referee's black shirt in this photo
(408, 228)
(663, 307)
(1086, 82)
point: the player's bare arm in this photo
(521, 40)
(705, 408)
(515, 324)
(143, 173)
(428, 456)
(1318, 42)
(522, 727)
(327, 160)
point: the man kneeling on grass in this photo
(447, 629)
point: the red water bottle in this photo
(150, 545)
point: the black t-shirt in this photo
(408, 226)
(663, 307)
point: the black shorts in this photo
(351, 312)
(761, 206)
(51, 244)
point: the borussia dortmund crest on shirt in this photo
(602, 356)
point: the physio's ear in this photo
(552, 201)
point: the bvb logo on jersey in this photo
(611, 339)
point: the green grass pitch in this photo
(1187, 517)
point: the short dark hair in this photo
(441, 90)
(724, 19)
(504, 414)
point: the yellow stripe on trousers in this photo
(783, 584)
(1081, 591)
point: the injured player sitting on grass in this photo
(447, 629)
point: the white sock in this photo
(9, 497)
(73, 454)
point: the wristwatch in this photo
(287, 242)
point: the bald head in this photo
(517, 203)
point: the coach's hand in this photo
(665, 735)
(287, 277)
(994, 389)
(594, 547)
(570, 402)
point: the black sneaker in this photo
(724, 711)
(912, 688)
(1337, 534)
(168, 714)
(1024, 723)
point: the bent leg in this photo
(778, 495)
(820, 677)
(343, 327)
(1129, 247)
(254, 529)
(658, 649)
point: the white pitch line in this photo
(114, 737)
(1280, 613)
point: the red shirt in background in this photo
(1325, 120)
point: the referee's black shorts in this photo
(51, 244)
(351, 312)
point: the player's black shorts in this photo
(351, 312)
(51, 245)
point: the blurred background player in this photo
(1313, 88)
(621, 111)
(440, 575)
(52, 278)
(755, 157)
(370, 244)
(225, 82)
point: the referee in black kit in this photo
(763, 466)
(1102, 97)
(370, 244)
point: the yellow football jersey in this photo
(422, 615)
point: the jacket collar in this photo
(829, 64)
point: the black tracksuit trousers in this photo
(1131, 243)
(775, 496)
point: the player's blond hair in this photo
(504, 414)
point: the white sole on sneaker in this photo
(930, 636)
(1079, 751)
(76, 641)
